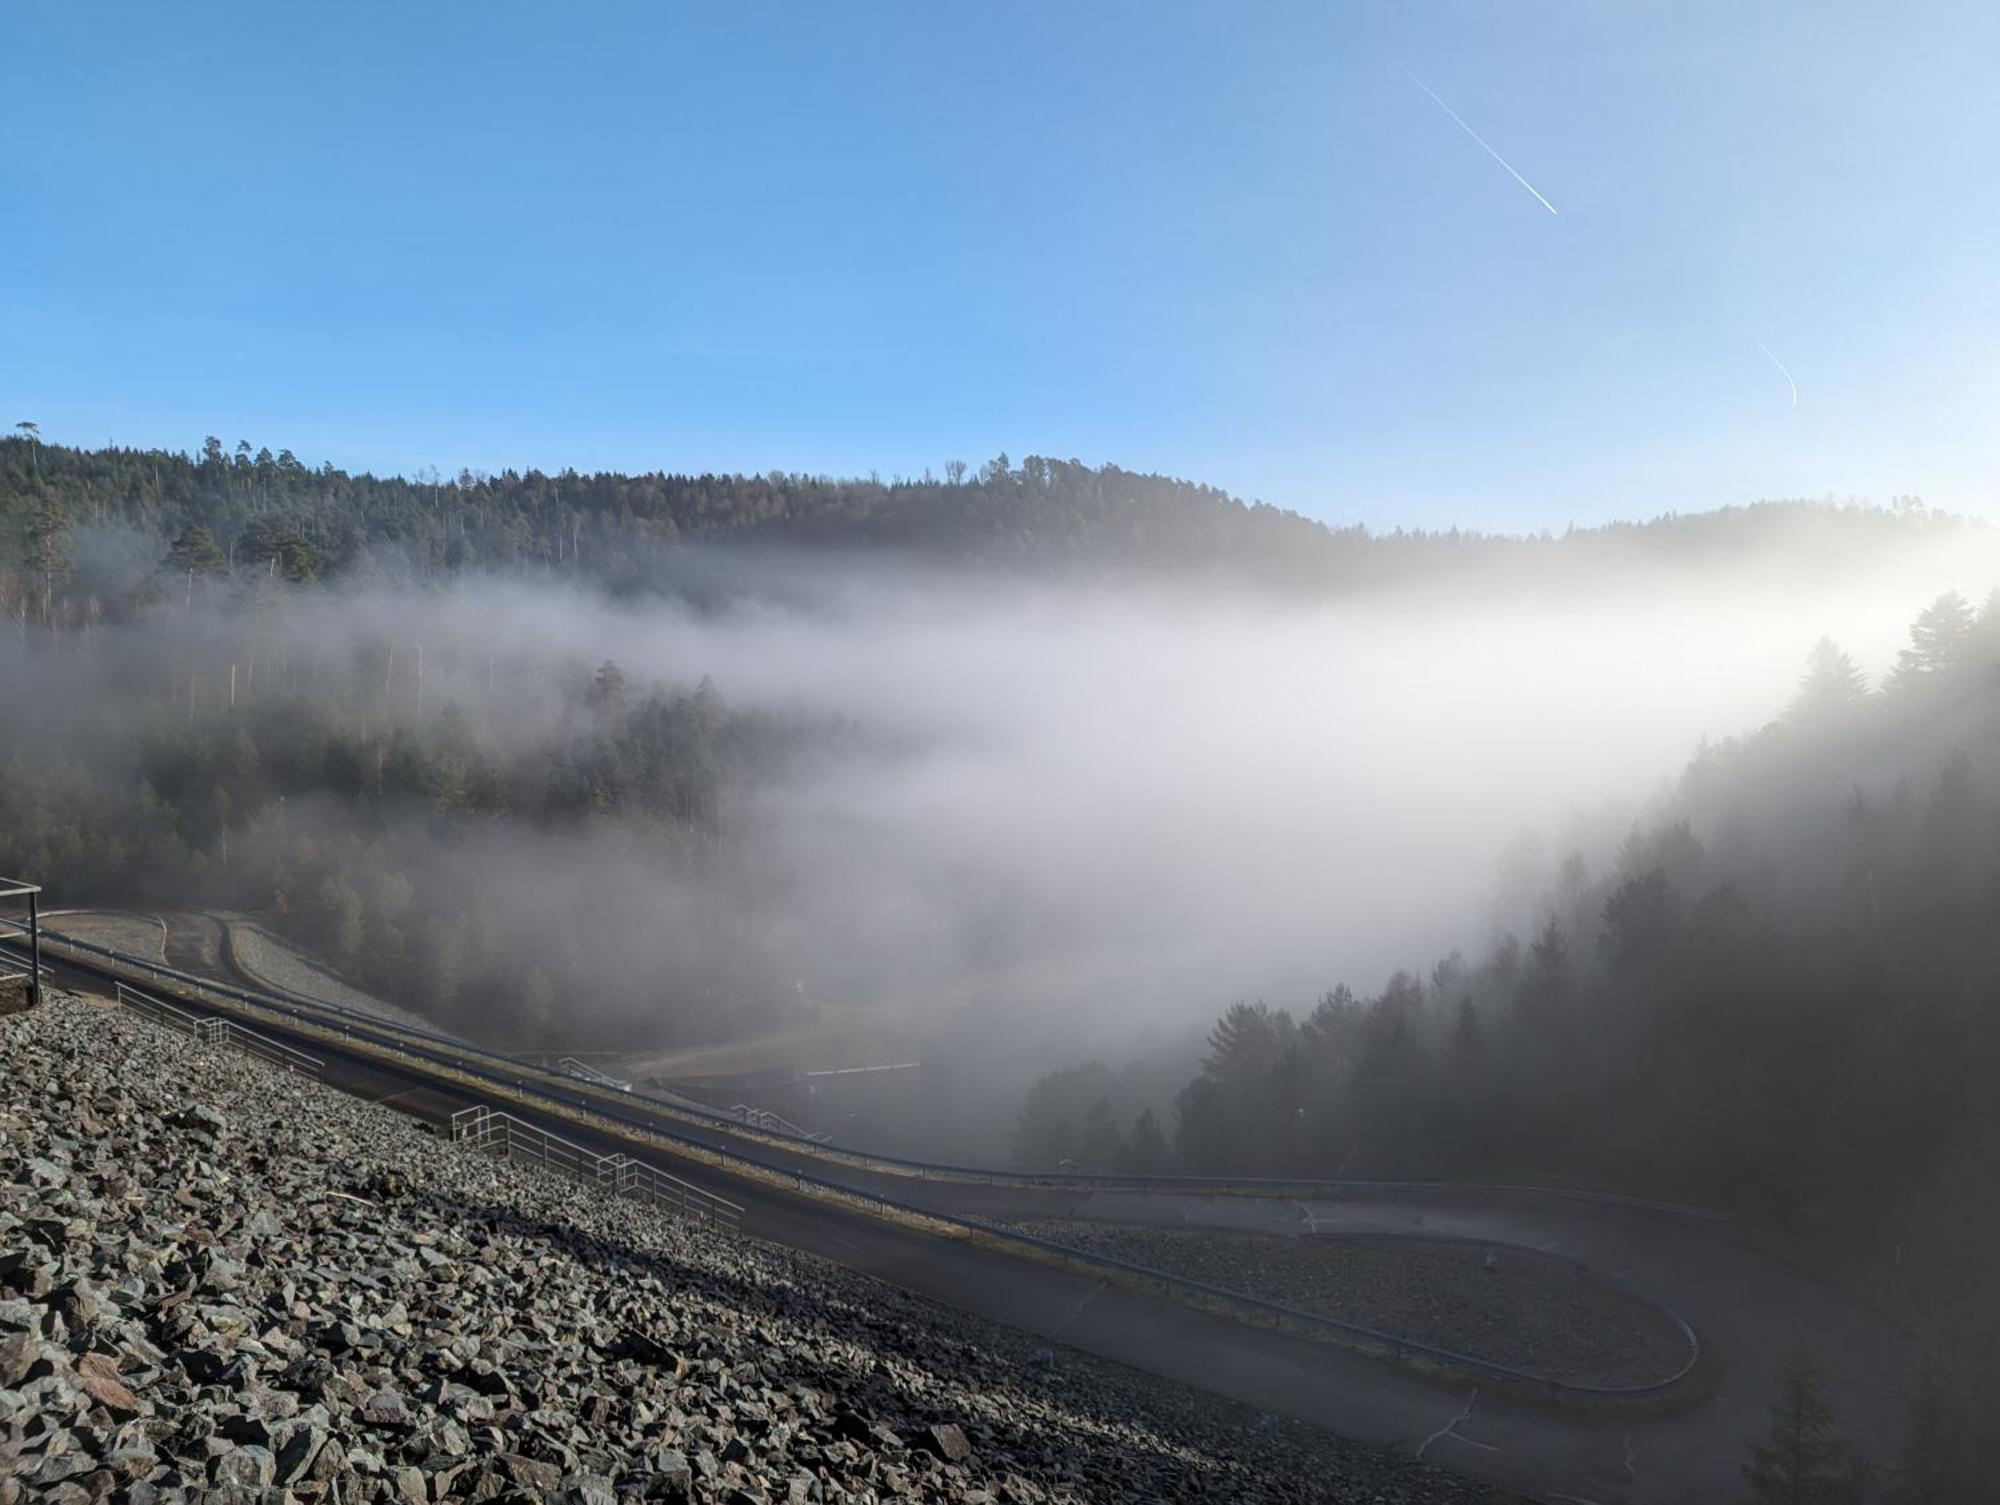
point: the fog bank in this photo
(1121, 805)
(1033, 819)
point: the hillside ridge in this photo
(260, 514)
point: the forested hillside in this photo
(323, 793)
(238, 511)
(1777, 997)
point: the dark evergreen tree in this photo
(1941, 640)
(1803, 1459)
(194, 552)
(1146, 1152)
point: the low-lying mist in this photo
(1039, 818)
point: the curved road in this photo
(1746, 1306)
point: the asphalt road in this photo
(1746, 1306)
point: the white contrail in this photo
(1481, 140)
(1781, 367)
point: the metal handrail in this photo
(211, 1030)
(488, 1128)
(589, 1073)
(146, 1006)
(16, 888)
(765, 1118)
(276, 1052)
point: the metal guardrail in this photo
(1282, 1318)
(1240, 1306)
(227, 1033)
(495, 1131)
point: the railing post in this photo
(34, 950)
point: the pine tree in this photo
(1146, 1153)
(1103, 1146)
(1951, 1426)
(1803, 1460)
(1831, 686)
(1941, 639)
(195, 552)
(340, 918)
(440, 962)
(48, 547)
(1549, 954)
(1986, 630)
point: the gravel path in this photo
(139, 935)
(275, 961)
(218, 1282)
(192, 941)
(1549, 1317)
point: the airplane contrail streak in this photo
(1781, 368)
(1460, 119)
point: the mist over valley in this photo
(993, 810)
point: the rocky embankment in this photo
(218, 1282)
(1554, 1319)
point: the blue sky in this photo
(1233, 242)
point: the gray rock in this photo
(60, 1463)
(78, 1302)
(19, 1357)
(946, 1441)
(530, 1474)
(387, 1409)
(586, 1489)
(672, 1465)
(329, 1463)
(200, 1118)
(244, 1467)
